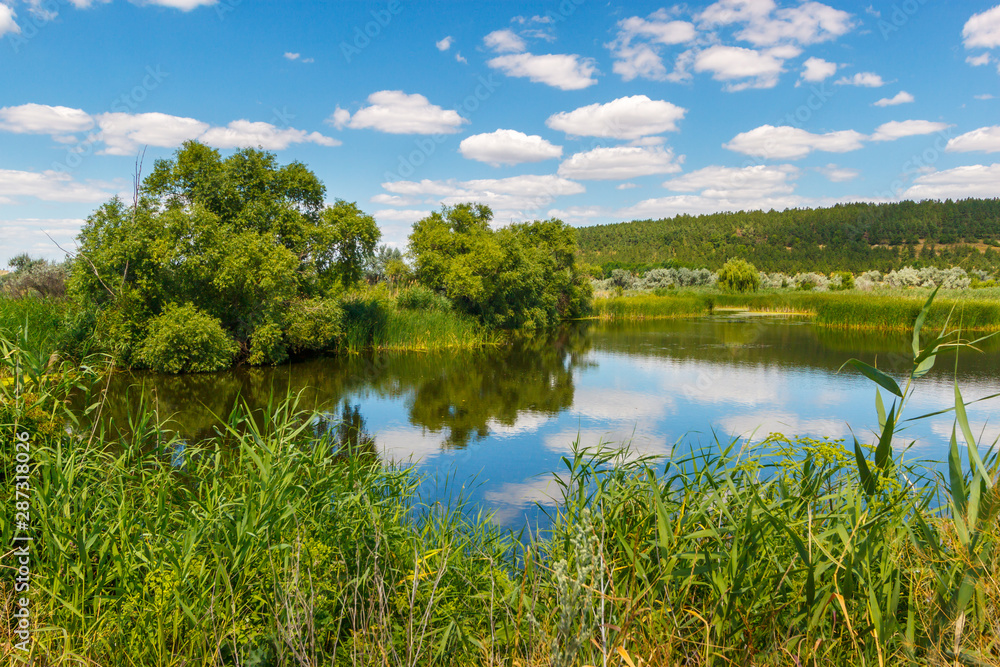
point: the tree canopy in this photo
(238, 239)
(521, 276)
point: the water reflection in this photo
(506, 416)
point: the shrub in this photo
(419, 297)
(739, 275)
(184, 339)
(267, 346)
(314, 325)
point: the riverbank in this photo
(887, 310)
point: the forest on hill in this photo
(847, 237)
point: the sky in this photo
(589, 111)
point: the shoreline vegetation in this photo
(895, 311)
(283, 540)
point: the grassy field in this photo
(881, 310)
(279, 541)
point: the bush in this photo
(184, 339)
(739, 275)
(267, 346)
(419, 297)
(314, 325)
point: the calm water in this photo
(505, 417)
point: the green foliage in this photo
(34, 278)
(184, 339)
(314, 325)
(738, 275)
(240, 238)
(419, 297)
(520, 276)
(847, 237)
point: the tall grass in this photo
(372, 325)
(276, 543)
(650, 306)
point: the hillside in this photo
(851, 237)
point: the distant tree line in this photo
(846, 237)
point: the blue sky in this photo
(588, 111)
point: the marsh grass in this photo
(271, 543)
(650, 306)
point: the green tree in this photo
(521, 276)
(739, 275)
(239, 239)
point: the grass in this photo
(374, 325)
(276, 542)
(894, 310)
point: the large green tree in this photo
(240, 239)
(519, 276)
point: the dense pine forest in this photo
(846, 237)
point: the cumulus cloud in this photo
(975, 180)
(836, 174)
(636, 48)
(516, 196)
(619, 163)
(862, 79)
(624, 118)
(764, 24)
(124, 133)
(508, 147)
(504, 41)
(401, 215)
(44, 119)
(47, 185)
(897, 129)
(292, 56)
(758, 69)
(559, 70)
(183, 5)
(982, 30)
(245, 134)
(8, 24)
(444, 44)
(736, 183)
(815, 70)
(35, 236)
(982, 140)
(976, 61)
(792, 143)
(395, 112)
(902, 97)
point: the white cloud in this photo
(508, 147)
(183, 5)
(247, 134)
(862, 79)
(559, 70)
(624, 118)
(47, 185)
(836, 174)
(897, 129)
(636, 48)
(730, 182)
(760, 69)
(902, 97)
(792, 143)
(124, 133)
(625, 186)
(983, 29)
(401, 215)
(985, 96)
(7, 22)
(35, 236)
(393, 200)
(395, 112)
(514, 196)
(44, 119)
(765, 24)
(460, 58)
(578, 215)
(619, 162)
(975, 180)
(983, 140)
(817, 69)
(976, 61)
(292, 56)
(658, 28)
(504, 41)
(444, 44)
